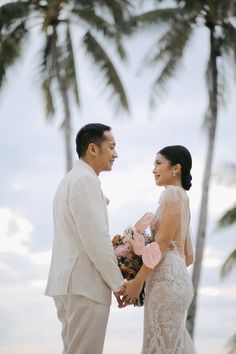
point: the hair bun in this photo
(186, 181)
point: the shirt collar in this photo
(80, 163)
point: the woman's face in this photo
(163, 171)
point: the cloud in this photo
(33, 163)
(209, 291)
(14, 231)
(40, 258)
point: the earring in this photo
(174, 174)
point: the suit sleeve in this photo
(89, 212)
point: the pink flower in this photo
(122, 250)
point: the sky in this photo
(33, 162)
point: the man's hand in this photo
(119, 295)
(132, 290)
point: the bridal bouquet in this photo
(128, 261)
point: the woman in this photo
(169, 289)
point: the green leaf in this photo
(119, 47)
(231, 345)
(228, 218)
(98, 23)
(100, 57)
(228, 264)
(47, 74)
(48, 98)
(156, 17)
(10, 48)
(118, 9)
(13, 11)
(228, 41)
(94, 21)
(168, 50)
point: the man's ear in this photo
(92, 149)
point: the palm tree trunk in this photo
(61, 79)
(66, 126)
(202, 225)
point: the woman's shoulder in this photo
(173, 193)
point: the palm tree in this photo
(228, 219)
(181, 18)
(231, 345)
(56, 19)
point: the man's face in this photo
(106, 153)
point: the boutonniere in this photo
(107, 200)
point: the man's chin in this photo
(107, 169)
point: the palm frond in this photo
(89, 4)
(119, 47)
(119, 10)
(225, 9)
(155, 17)
(169, 49)
(13, 11)
(231, 345)
(10, 48)
(100, 24)
(232, 7)
(228, 264)
(100, 57)
(71, 76)
(47, 75)
(228, 218)
(94, 21)
(48, 98)
(228, 42)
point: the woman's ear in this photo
(177, 169)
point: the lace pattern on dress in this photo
(169, 289)
(169, 292)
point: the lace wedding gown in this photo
(169, 289)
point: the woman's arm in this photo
(168, 226)
(188, 251)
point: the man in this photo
(84, 268)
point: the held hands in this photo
(119, 295)
(132, 289)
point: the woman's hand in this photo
(132, 290)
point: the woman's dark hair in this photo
(178, 154)
(90, 133)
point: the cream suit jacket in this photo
(83, 260)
